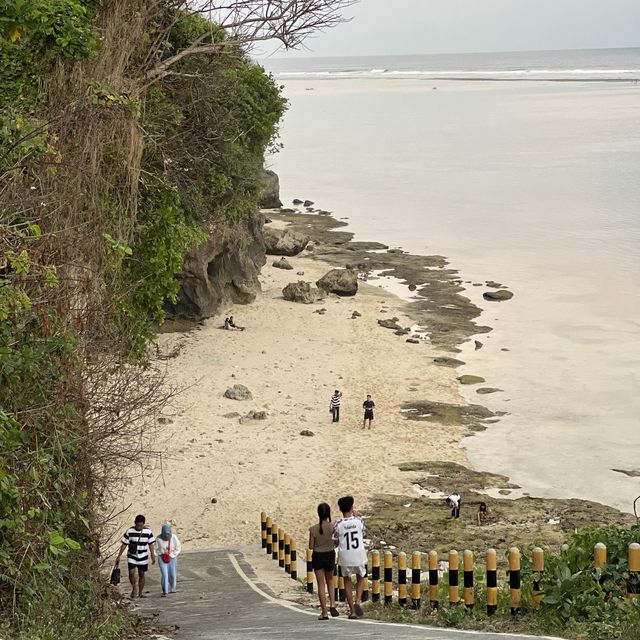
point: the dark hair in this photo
(336, 392)
(140, 518)
(345, 504)
(324, 513)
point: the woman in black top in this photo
(368, 406)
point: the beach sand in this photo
(218, 473)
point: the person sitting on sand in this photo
(234, 325)
(483, 512)
(454, 501)
(229, 326)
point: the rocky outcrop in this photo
(302, 291)
(282, 242)
(270, 198)
(223, 269)
(342, 282)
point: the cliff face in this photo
(221, 270)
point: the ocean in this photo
(522, 168)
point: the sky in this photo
(396, 27)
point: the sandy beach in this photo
(219, 471)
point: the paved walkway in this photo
(218, 598)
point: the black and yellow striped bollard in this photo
(287, 553)
(454, 589)
(467, 566)
(388, 577)
(263, 529)
(342, 595)
(294, 560)
(336, 582)
(375, 576)
(633, 581)
(433, 579)
(416, 565)
(402, 579)
(309, 571)
(365, 588)
(281, 548)
(269, 544)
(492, 581)
(537, 567)
(514, 580)
(600, 556)
(274, 541)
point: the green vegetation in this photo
(579, 602)
(107, 179)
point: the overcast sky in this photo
(382, 27)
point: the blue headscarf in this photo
(166, 532)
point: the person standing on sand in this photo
(168, 548)
(323, 559)
(139, 543)
(334, 405)
(352, 556)
(368, 406)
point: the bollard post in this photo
(433, 579)
(336, 582)
(375, 576)
(467, 564)
(269, 543)
(342, 594)
(309, 572)
(402, 579)
(514, 580)
(416, 563)
(538, 571)
(287, 553)
(454, 590)
(492, 581)
(633, 581)
(274, 541)
(294, 560)
(263, 529)
(388, 577)
(281, 547)
(600, 556)
(365, 589)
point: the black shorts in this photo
(140, 567)
(368, 414)
(323, 560)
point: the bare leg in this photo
(132, 580)
(140, 583)
(348, 591)
(359, 588)
(322, 591)
(328, 576)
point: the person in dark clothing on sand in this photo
(334, 405)
(368, 406)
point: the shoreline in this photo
(222, 467)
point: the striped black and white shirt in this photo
(138, 545)
(335, 400)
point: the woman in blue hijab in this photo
(168, 548)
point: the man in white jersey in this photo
(352, 556)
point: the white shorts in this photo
(359, 570)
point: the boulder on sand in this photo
(497, 296)
(238, 392)
(283, 263)
(283, 242)
(302, 291)
(342, 282)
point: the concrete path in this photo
(218, 598)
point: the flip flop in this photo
(334, 612)
(323, 617)
(359, 610)
(353, 616)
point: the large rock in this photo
(283, 263)
(283, 242)
(222, 270)
(302, 291)
(497, 296)
(238, 392)
(342, 282)
(270, 197)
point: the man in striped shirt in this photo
(334, 405)
(139, 543)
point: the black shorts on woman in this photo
(323, 560)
